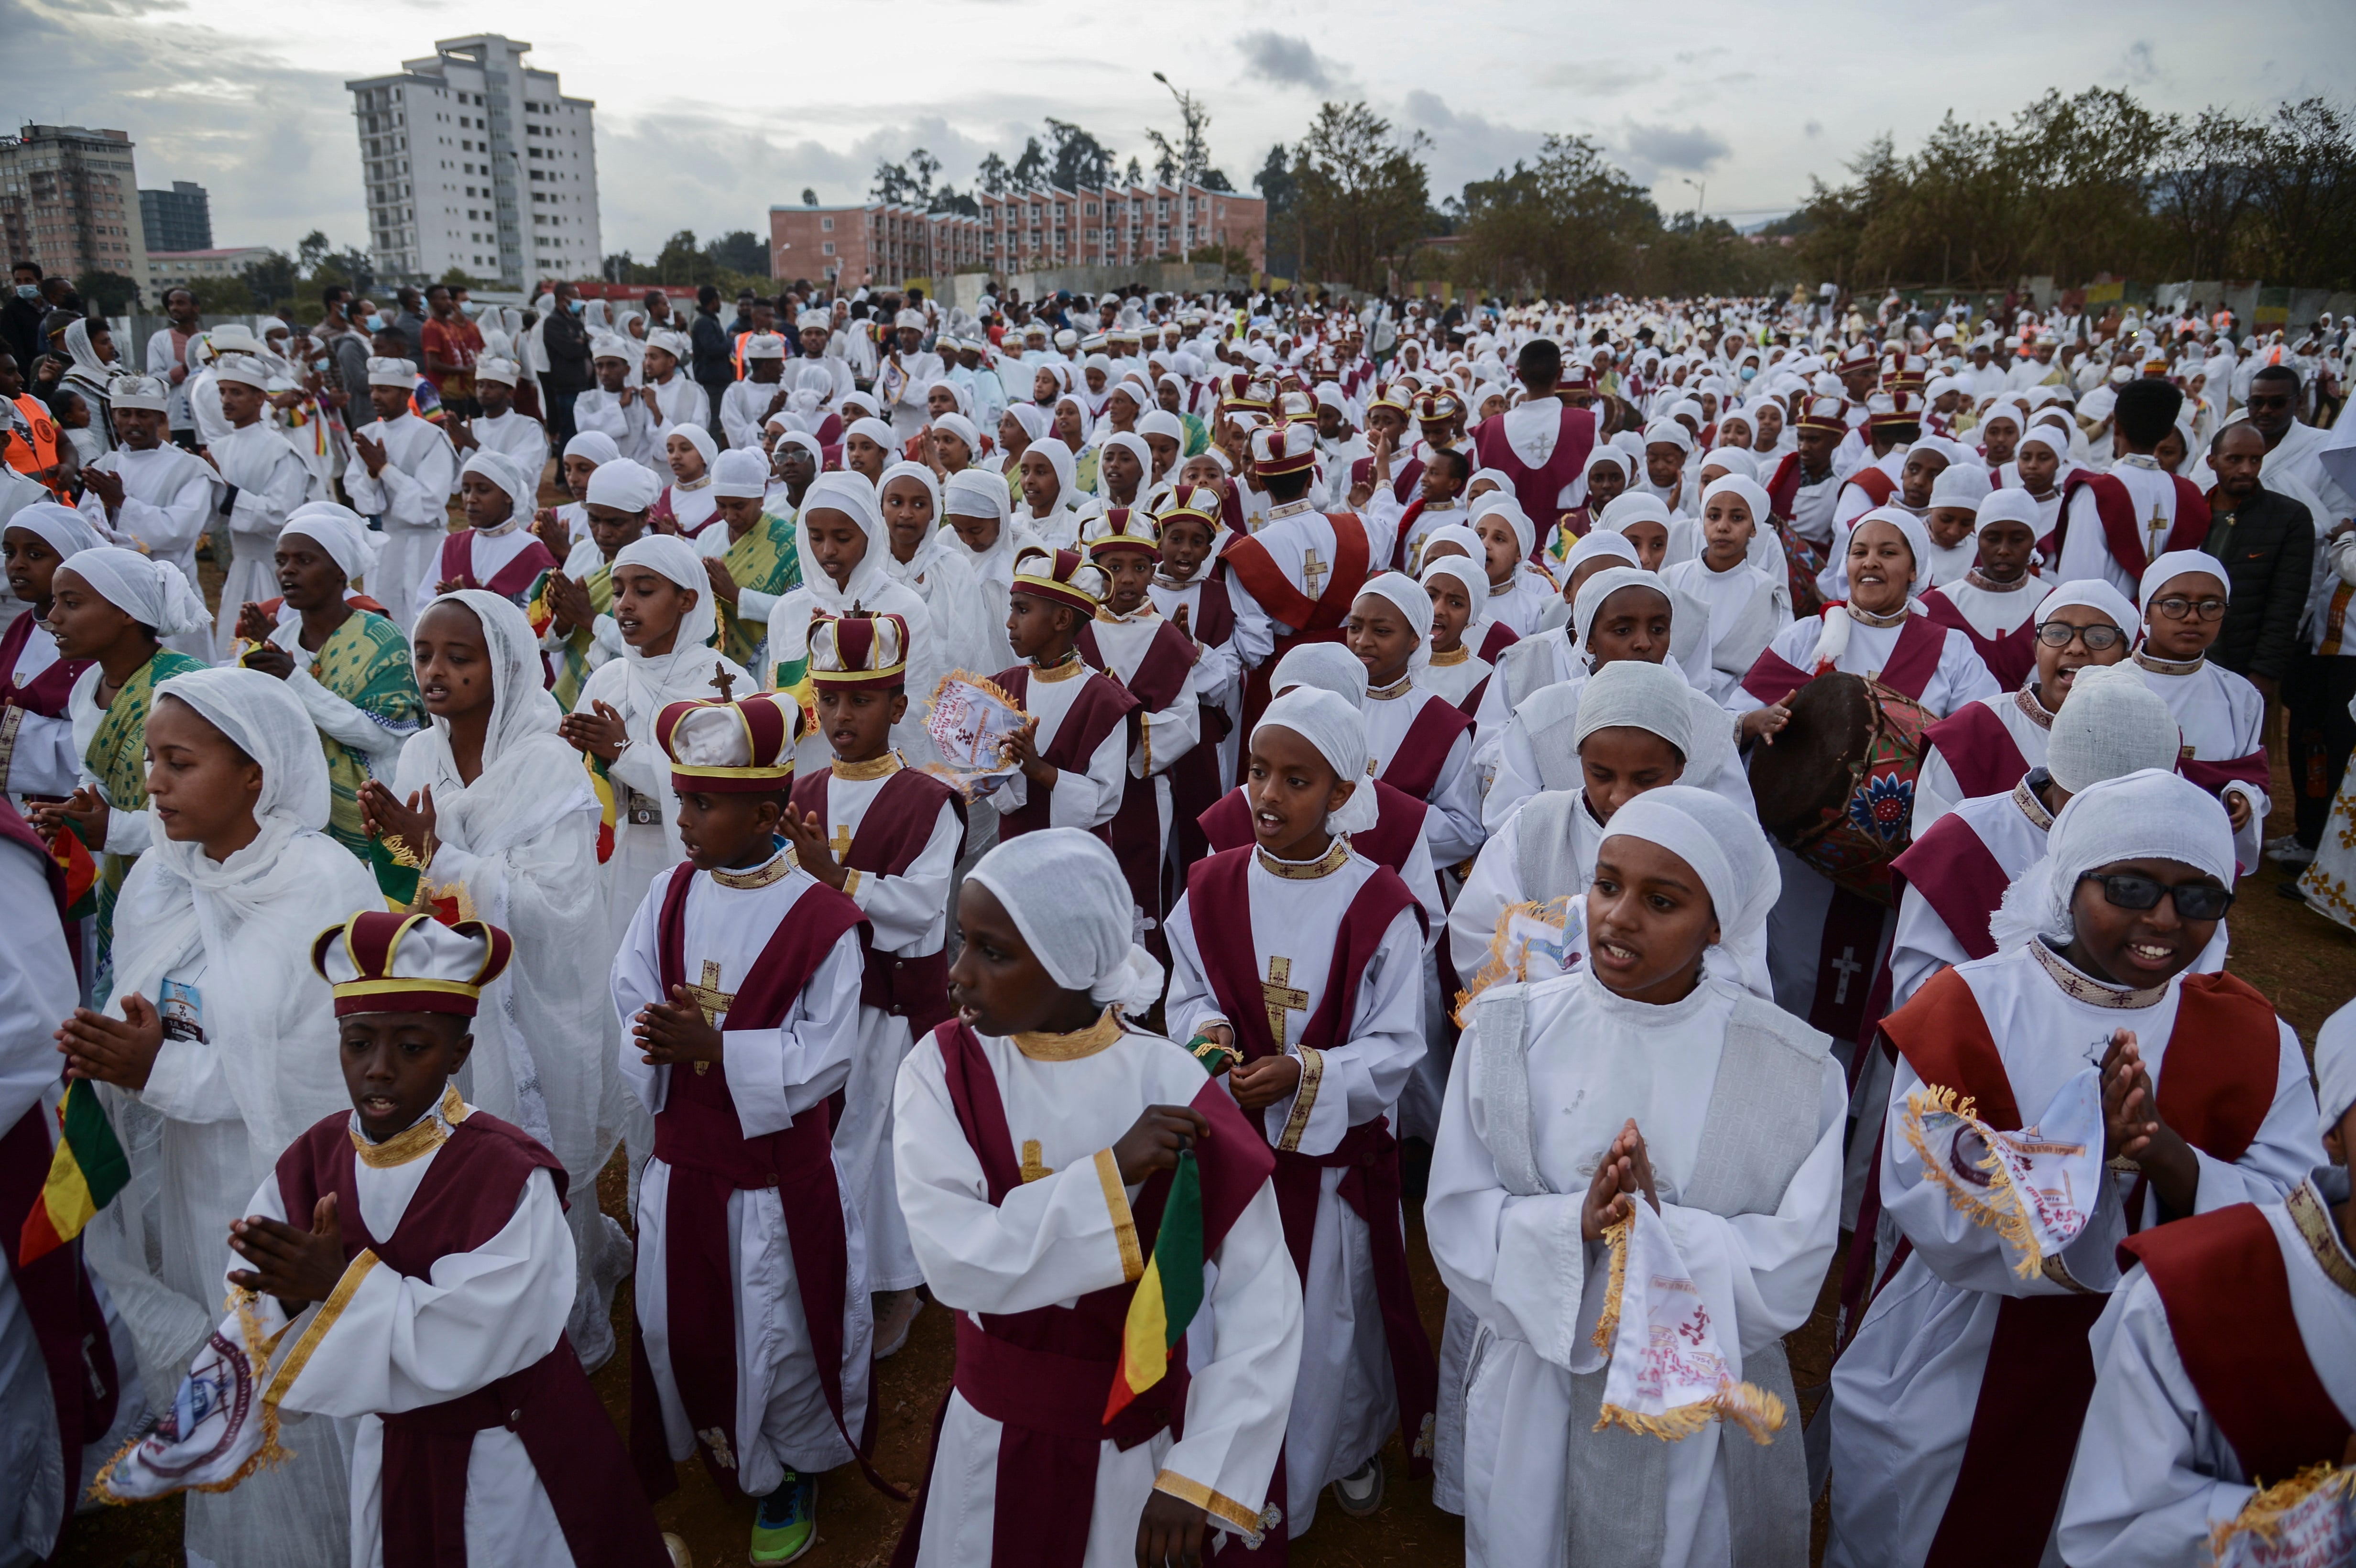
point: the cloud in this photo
(2137, 66)
(1287, 61)
(1464, 145)
(1812, 129)
(1654, 150)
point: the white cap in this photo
(247, 371)
(2112, 724)
(382, 373)
(506, 372)
(765, 346)
(740, 472)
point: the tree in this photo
(1031, 169)
(909, 184)
(1190, 159)
(1275, 183)
(270, 278)
(1135, 173)
(810, 196)
(312, 249)
(112, 292)
(992, 175)
(740, 250)
(1079, 159)
(1361, 196)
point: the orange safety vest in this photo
(44, 453)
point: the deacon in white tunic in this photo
(404, 479)
(518, 437)
(265, 481)
(1747, 606)
(169, 494)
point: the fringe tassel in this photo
(1669, 1426)
(2263, 1514)
(1758, 1413)
(2002, 1208)
(1607, 1324)
(269, 1456)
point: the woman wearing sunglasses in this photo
(1957, 1406)
(2221, 714)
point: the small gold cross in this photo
(1312, 571)
(1033, 1168)
(723, 682)
(711, 999)
(841, 843)
(1278, 993)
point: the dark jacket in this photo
(566, 339)
(20, 331)
(2268, 549)
(711, 366)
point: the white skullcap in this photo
(2111, 724)
(506, 372)
(818, 319)
(155, 593)
(765, 346)
(1724, 846)
(908, 318)
(742, 472)
(147, 392)
(1065, 893)
(1162, 422)
(1745, 489)
(1334, 728)
(1603, 585)
(2010, 506)
(247, 371)
(1962, 484)
(65, 530)
(1466, 572)
(1328, 666)
(595, 445)
(874, 429)
(1330, 395)
(2151, 815)
(1408, 596)
(1917, 537)
(1633, 507)
(675, 344)
(500, 470)
(626, 486)
(1457, 534)
(2335, 1066)
(1600, 544)
(2095, 595)
(1738, 462)
(1606, 452)
(382, 372)
(1632, 694)
(1670, 432)
(975, 493)
(963, 428)
(1503, 503)
(343, 533)
(696, 436)
(2181, 563)
(2049, 438)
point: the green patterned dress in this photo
(366, 661)
(767, 559)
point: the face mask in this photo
(577, 307)
(319, 364)
(472, 307)
(1748, 371)
(377, 322)
(28, 291)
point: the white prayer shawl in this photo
(909, 916)
(521, 439)
(1059, 1238)
(1746, 609)
(1996, 614)
(2220, 715)
(1342, 1405)
(1961, 676)
(2153, 1473)
(271, 482)
(1537, 751)
(1453, 828)
(2025, 719)
(774, 1075)
(1085, 797)
(743, 405)
(1509, 1175)
(412, 497)
(169, 498)
(942, 574)
(2087, 548)
(401, 1343)
(635, 432)
(1906, 1388)
(521, 843)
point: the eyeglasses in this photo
(2194, 901)
(2177, 607)
(2062, 634)
(2278, 400)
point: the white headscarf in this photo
(2094, 593)
(525, 764)
(338, 530)
(2147, 814)
(1336, 730)
(1632, 694)
(501, 470)
(1502, 504)
(696, 436)
(1065, 892)
(155, 593)
(1473, 578)
(62, 528)
(653, 676)
(2112, 724)
(848, 492)
(1134, 444)
(1328, 666)
(2335, 1067)
(1603, 585)
(936, 539)
(1727, 851)
(978, 493)
(1067, 483)
(2181, 563)
(1414, 604)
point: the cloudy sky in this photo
(705, 124)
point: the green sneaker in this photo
(785, 1524)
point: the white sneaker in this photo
(2294, 857)
(2275, 847)
(1360, 1493)
(896, 1312)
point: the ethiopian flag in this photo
(81, 873)
(794, 680)
(1168, 1295)
(87, 1169)
(609, 803)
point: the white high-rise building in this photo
(475, 161)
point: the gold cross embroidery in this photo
(1278, 993)
(1032, 1167)
(841, 843)
(711, 999)
(1312, 571)
(2158, 526)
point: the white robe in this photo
(1519, 1266)
(909, 916)
(774, 1075)
(2154, 1475)
(1166, 734)
(1453, 827)
(169, 498)
(1066, 1235)
(633, 430)
(1456, 679)
(521, 438)
(1518, 775)
(1218, 670)
(744, 405)
(1936, 789)
(1523, 601)
(399, 1343)
(1959, 677)
(1906, 1388)
(412, 497)
(271, 482)
(2087, 548)
(1344, 1405)
(2219, 716)
(1293, 534)
(1746, 609)
(1084, 798)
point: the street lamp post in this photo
(1701, 197)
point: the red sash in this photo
(698, 1135)
(2221, 1278)
(1312, 622)
(1539, 490)
(896, 827)
(1496, 640)
(1404, 484)
(1913, 660)
(2122, 529)
(1952, 867)
(1870, 482)
(1979, 750)
(2011, 658)
(1045, 1374)
(1398, 818)
(1406, 525)
(2213, 776)
(1135, 830)
(468, 1195)
(1784, 489)
(1220, 901)
(1414, 768)
(1101, 707)
(511, 581)
(2217, 1081)
(46, 693)
(1194, 782)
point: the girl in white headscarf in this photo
(43, 759)
(1604, 1088)
(1426, 754)
(937, 567)
(1747, 604)
(980, 520)
(663, 609)
(503, 813)
(218, 1048)
(1132, 446)
(1458, 589)
(688, 502)
(1054, 504)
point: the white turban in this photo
(1633, 507)
(2111, 724)
(2181, 563)
(595, 445)
(2012, 506)
(1503, 503)
(62, 528)
(1961, 485)
(338, 530)
(1065, 892)
(501, 470)
(1414, 604)
(974, 493)
(1628, 693)
(626, 486)
(740, 472)
(696, 436)
(1328, 666)
(1336, 730)
(1602, 586)
(1738, 462)
(2149, 815)
(1724, 846)
(155, 593)
(382, 372)
(1601, 543)
(1917, 537)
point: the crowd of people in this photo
(1731, 793)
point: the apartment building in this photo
(70, 200)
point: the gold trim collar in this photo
(872, 768)
(1070, 669)
(1325, 865)
(2312, 1215)
(2085, 988)
(2032, 707)
(2168, 666)
(1865, 617)
(1392, 693)
(419, 1138)
(1041, 1045)
(1452, 659)
(775, 870)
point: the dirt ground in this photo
(2305, 963)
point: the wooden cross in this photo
(711, 999)
(1032, 1167)
(723, 682)
(1282, 998)
(1312, 571)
